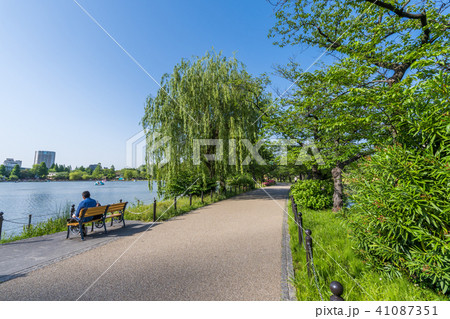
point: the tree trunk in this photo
(315, 172)
(338, 195)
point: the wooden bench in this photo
(116, 212)
(98, 214)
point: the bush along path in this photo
(336, 260)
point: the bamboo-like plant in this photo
(401, 217)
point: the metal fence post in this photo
(29, 221)
(294, 211)
(299, 224)
(175, 202)
(154, 209)
(309, 250)
(337, 290)
(1, 224)
(298, 220)
(190, 199)
(211, 194)
(202, 197)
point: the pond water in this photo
(46, 199)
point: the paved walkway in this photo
(230, 250)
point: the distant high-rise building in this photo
(10, 163)
(92, 167)
(45, 156)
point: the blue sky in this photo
(65, 86)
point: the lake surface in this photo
(46, 199)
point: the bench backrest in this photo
(117, 207)
(93, 211)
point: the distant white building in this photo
(10, 163)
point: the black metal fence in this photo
(304, 237)
(15, 221)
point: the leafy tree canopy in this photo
(210, 97)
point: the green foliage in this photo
(401, 215)
(111, 173)
(60, 168)
(76, 175)
(129, 174)
(27, 174)
(2, 170)
(40, 170)
(212, 98)
(396, 36)
(98, 172)
(313, 194)
(188, 182)
(62, 176)
(334, 259)
(351, 105)
(15, 172)
(241, 180)
(13, 177)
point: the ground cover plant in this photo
(335, 260)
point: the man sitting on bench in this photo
(85, 203)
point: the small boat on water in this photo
(99, 183)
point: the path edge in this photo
(287, 269)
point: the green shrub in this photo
(187, 182)
(313, 194)
(334, 259)
(401, 217)
(401, 214)
(241, 180)
(13, 177)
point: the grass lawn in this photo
(335, 259)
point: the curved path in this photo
(230, 250)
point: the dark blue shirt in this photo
(88, 202)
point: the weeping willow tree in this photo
(207, 106)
